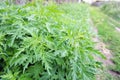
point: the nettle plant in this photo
(39, 42)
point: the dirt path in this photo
(102, 48)
(117, 29)
(106, 52)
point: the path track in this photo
(106, 52)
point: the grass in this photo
(112, 9)
(109, 35)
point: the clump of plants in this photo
(46, 42)
(112, 9)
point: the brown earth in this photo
(106, 52)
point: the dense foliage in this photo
(39, 42)
(112, 9)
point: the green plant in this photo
(112, 10)
(50, 42)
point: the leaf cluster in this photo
(50, 42)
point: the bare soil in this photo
(106, 52)
(117, 29)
